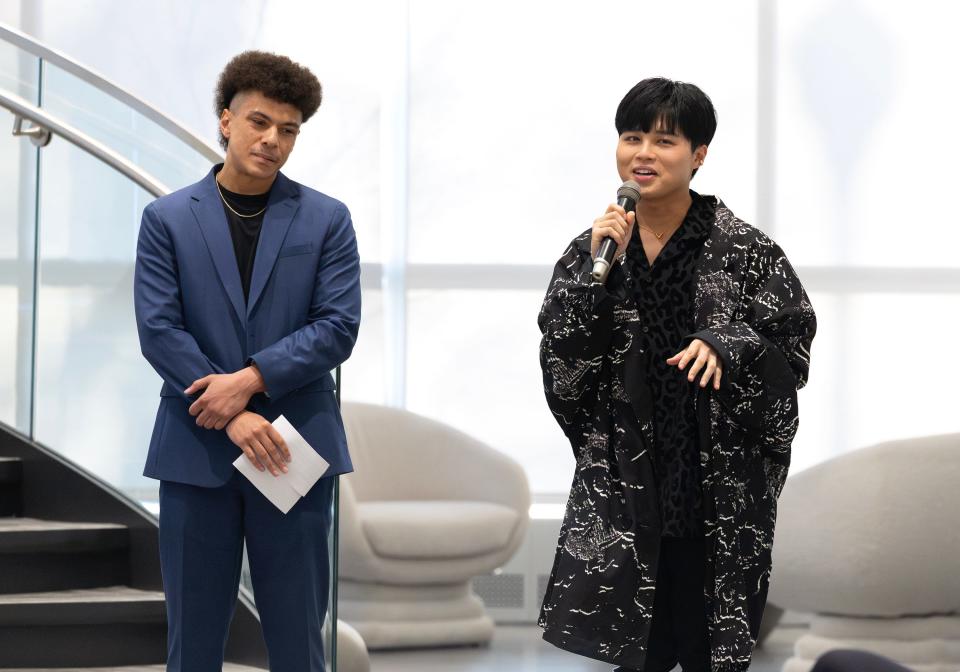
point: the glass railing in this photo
(19, 75)
(71, 373)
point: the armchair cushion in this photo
(436, 529)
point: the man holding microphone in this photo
(674, 374)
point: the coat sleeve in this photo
(164, 340)
(764, 342)
(576, 321)
(327, 340)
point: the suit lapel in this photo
(281, 208)
(208, 209)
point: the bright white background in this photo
(473, 140)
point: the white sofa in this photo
(869, 544)
(426, 509)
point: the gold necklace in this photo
(256, 214)
(658, 235)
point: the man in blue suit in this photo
(247, 295)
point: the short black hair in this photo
(680, 107)
(273, 75)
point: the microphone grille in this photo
(631, 190)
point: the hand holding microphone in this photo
(612, 232)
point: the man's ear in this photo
(699, 155)
(225, 117)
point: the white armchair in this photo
(868, 543)
(426, 509)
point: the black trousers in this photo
(848, 660)
(678, 632)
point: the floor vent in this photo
(500, 591)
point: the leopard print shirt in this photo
(664, 297)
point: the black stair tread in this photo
(227, 667)
(115, 604)
(106, 594)
(51, 536)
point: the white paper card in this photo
(275, 488)
(303, 470)
(305, 466)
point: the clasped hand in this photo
(224, 395)
(703, 357)
(223, 403)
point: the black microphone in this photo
(628, 195)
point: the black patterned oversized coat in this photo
(750, 306)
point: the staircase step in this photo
(46, 555)
(31, 535)
(101, 626)
(11, 486)
(115, 604)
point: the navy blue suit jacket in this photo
(299, 323)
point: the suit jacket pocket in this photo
(293, 250)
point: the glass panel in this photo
(122, 129)
(473, 363)
(857, 182)
(18, 171)
(364, 372)
(522, 139)
(870, 381)
(860, 391)
(88, 355)
(338, 149)
(18, 72)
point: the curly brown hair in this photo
(275, 76)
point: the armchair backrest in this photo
(399, 455)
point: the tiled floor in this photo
(520, 649)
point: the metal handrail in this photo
(24, 110)
(64, 62)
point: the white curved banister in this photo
(21, 108)
(64, 62)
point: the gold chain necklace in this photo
(256, 214)
(658, 235)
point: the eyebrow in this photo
(656, 131)
(258, 113)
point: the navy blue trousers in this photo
(202, 531)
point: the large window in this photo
(472, 142)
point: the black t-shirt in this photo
(664, 295)
(245, 220)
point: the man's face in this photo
(661, 162)
(261, 133)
